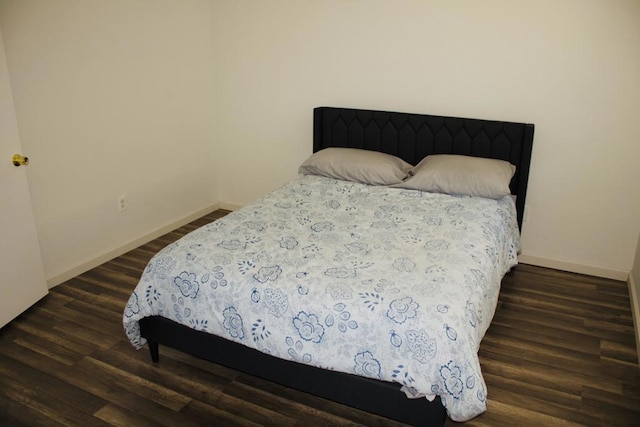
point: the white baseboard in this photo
(229, 207)
(591, 270)
(87, 265)
(635, 310)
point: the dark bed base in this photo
(377, 397)
(411, 137)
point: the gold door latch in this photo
(19, 160)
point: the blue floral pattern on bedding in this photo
(386, 283)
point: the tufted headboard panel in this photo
(414, 136)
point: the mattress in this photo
(392, 284)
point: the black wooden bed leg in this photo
(154, 351)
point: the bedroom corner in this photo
(634, 295)
(113, 99)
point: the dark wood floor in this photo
(560, 351)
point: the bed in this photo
(311, 267)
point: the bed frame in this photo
(411, 137)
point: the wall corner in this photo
(634, 295)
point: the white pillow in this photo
(352, 164)
(465, 175)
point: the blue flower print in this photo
(295, 351)
(309, 252)
(475, 279)
(401, 375)
(308, 327)
(232, 245)
(199, 325)
(435, 274)
(471, 314)
(404, 264)
(132, 306)
(333, 204)
(163, 265)
(245, 266)
(322, 226)
(343, 320)
(302, 190)
(459, 225)
(454, 209)
(218, 278)
(437, 245)
(434, 220)
(259, 331)
(180, 311)
(442, 308)
(358, 248)
(255, 225)
(422, 347)
(395, 339)
(255, 295)
(152, 295)
(288, 243)
(402, 309)
(233, 322)
(481, 394)
(284, 205)
(451, 333)
(340, 272)
(371, 299)
(451, 374)
(493, 255)
(411, 194)
(339, 291)
(268, 273)
(384, 285)
(276, 301)
(367, 365)
(187, 284)
(471, 382)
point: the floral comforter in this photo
(393, 284)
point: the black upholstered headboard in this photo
(414, 136)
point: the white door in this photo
(22, 280)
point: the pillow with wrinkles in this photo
(353, 164)
(461, 175)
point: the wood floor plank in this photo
(560, 352)
(135, 384)
(275, 399)
(307, 406)
(509, 415)
(50, 405)
(45, 330)
(80, 398)
(114, 415)
(17, 414)
(203, 414)
(179, 377)
(547, 410)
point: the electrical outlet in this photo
(122, 203)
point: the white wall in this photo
(112, 97)
(570, 66)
